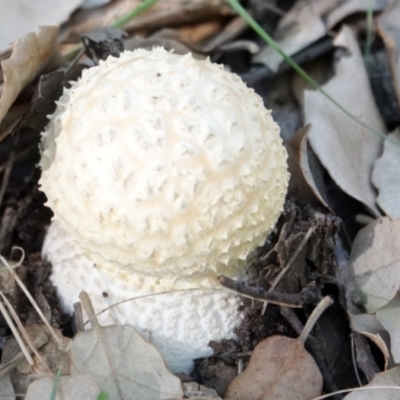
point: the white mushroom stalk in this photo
(163, 172)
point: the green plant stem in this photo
(120, 23)
(264, 35)
(55, 384)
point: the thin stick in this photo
(293, 300)
(292, 259)
(38, 342)
(27, 294)
(16, 334)
(321, 307)
(24, 333)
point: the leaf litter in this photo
(346, 149)
(333, 149)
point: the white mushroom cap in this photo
(165, 171)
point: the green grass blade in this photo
(103, 396)
(133, 14)
(55, 384)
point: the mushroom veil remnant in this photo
(163, 172)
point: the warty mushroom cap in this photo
(164, 170)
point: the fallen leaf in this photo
(302, 185)
(375, 263)
(349, 7)
(18, 17)
(6, 388)
(345, 148)
(388, 378)
(88, 4)
(279, 368)
(78, 387)
(123, 364)
(30, 55)
(161, 15)
(386, 178)
(300, 27)
(389, 29)
(369, 326)
(389, 317)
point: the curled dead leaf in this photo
(30, 55)
(302, 185)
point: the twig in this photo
(38, 342)
(294, 300)
(292, 259)
(27, 294)
(24, 333)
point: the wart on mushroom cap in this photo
(163, 172)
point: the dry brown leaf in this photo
(300, 27)
(302, 185)
(196, 32)
(279, 368)
(389, 317)
(345, 148)
(30, 55)
(386, 177)
(389, 29)
(18, 17)
(375, 263)
(388, 378)
(369, 326)
(161, 15)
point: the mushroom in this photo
(163, 172)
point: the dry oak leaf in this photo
(30, 55)
(279, 369)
